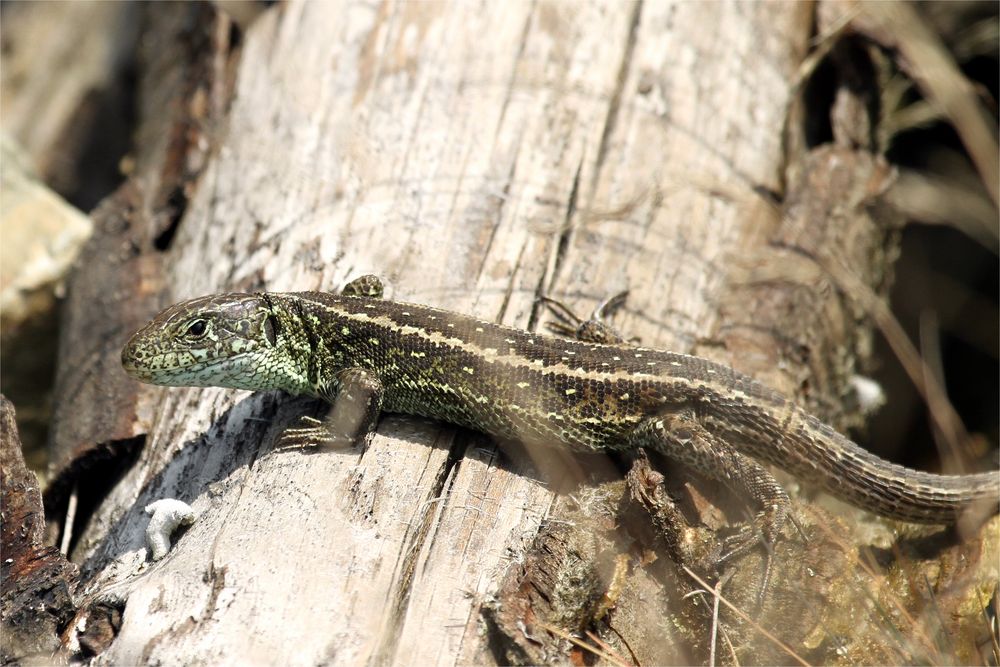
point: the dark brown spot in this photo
(271, 330)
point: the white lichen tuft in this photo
(165, 517)
(869, 393)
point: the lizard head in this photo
(223, 340)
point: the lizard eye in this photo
(196, 329)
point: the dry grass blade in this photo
(782, 645)
(582, 644)
(67, 536)
(992, 624)
(937, 75)
(931, 199)
(716, 594)
(823, 44)
(933, 369)
(947, 645)
(608, 649)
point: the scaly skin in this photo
(534, 388)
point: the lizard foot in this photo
(593, 330)
(312, 432)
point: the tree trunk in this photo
(476, 157)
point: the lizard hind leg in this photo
(681, 437)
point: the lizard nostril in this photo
(131, 356)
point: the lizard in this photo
(594, 392)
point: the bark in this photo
(37, 581)
(477, 157)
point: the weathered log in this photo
(477, 158)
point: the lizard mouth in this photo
(161, 369)
(200, 374)
(179, 369)
(136, 372)
(131, 364)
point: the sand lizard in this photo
(365, 354)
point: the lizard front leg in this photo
(356, 398)
(355, 394)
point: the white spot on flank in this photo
(624, 396)
(451, 325)
(509, 341)
(638, 355)
(676, 363)
(479, 329)
(570, 392)
(373, 341)
(650, 363)
(617, 358)
(569, 351)
(468, 370)
(418, 354)
(522, 385)
(345, 331)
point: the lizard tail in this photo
(899, 492)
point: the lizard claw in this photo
(749, 536)
(313, 432)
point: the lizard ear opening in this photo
(271, 330)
